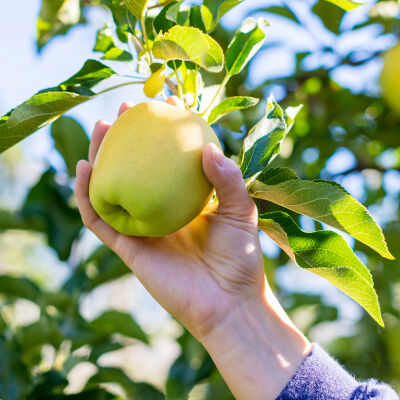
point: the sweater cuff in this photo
(320, 377)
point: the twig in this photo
(146, 40)
(120, 85)
(160, 4)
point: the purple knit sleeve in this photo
(320, 377)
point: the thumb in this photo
(226, 176)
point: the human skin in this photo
(210, 276)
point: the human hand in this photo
(203, 272)
(210, 276)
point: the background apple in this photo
(390, 77)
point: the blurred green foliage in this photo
(333, 118)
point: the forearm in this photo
(257, 349)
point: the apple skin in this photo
(390, 78)
(147, 179)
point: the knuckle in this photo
(235, 174)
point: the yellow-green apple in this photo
(147, 179)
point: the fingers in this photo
(89, 216)
(100, 130)
(98, 134)
(175, 101)
(125, 106)
(226, 176)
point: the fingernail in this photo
(101, 122)
(218, 156)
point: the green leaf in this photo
(189, 44)
(324, 201)
(321, 312)
(137, 7)
(262, 143)
(71, 141)
(124, 20)
(113, 321)
(192, 366)
(244, 45)
(38, 111)
(45, 330)
(116, 54)
(102, 266)
(92, 73)
(326, 254)
(211, 389)
(47, 384)
(233, 122)
(330, 15)
(49, 202)
(103, 348)
(105, 266)
(14, 220)
(49, 104)
(166, 19)
(347, 5)
(15, 379)
(190, 78)
(207, 18)
(104, 40)
(59, 299)
(185, 373)
(217, 9)
(231, 104)
(132, 389)
(176, 14)
(77, 330)
(3, 324)
(56, 17)
(282, 11)
(196, 18)
(105, 44)
(20, 287)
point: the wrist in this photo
(257, 348)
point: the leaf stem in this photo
(120, 85)
(195, 88)
(146, 40)
(223, 84)
(131, 76)
(178, 83)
